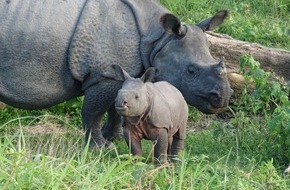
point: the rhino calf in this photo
(154, 111)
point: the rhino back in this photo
(34, 39)
(169, 107)
(106, 34)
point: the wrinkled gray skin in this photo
(53, 51)
(154, 111)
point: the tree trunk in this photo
(271, 59)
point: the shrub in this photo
(270, 100)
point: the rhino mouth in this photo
(215, 110)
(121, 108)
(208, 108)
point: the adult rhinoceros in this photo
(54, 50)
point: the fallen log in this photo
(2, 105)
(271, 59)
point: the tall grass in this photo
(237, 153)
(213, 159)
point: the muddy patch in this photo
(45, 129)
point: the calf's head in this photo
(133, 98)
(184, 60)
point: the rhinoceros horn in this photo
(221, 68)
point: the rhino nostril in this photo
(215, 99)
(124, 103)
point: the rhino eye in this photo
(136, 97)
(191, 69)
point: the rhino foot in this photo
(112, 129)
(111, 132)
(101, 144)
(97, 141)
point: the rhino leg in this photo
(133, 141)
(176, 146)
(170, 140)
(112, 129)
(96, 101)
(161, 146)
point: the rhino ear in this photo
(149, 75)
(215, 21)
(120, 74)
(172, 24)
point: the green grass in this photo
(262, 21)
(45, 149)
(218, 157)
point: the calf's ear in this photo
(149, 75)
(121, 74)
(215, 21)
(172, 24)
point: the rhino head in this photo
(183, 59)
(133, 98)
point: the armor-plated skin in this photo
(53, 51)
(153, 111)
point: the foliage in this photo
(264, 22)
(269, 100)
(61, 161)
(67, 112)
(247, 151)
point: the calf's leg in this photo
(177, 145)
(133, 142)
(161, 147)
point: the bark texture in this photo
(271, 59)
(2, 105)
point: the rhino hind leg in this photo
(176, 146)
(112, 129)
(96, 101)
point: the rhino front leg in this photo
(170, 140)
(161, 147)
(133, 142)
(112, 129)
(97, 100)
